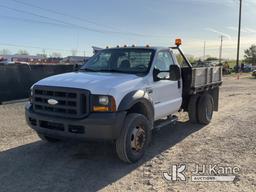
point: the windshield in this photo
(134, 61)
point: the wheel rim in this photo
(138, 138)
(209, 110)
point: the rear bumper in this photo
(96, 126)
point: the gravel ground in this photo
(28, 164)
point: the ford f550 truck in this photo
(122, 94)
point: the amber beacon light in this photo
(178, 42)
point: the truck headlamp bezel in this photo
(103, 103)
(30, 95)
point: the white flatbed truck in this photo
(122, 94)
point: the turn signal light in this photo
(100, 108)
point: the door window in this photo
(163, 62)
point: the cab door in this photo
(167, 94)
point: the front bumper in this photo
(96, 126)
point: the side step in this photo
(165, 122)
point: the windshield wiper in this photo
(87, 69)
(110, 71)
(100, 70)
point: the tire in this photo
(192, 108)
(47, 138)
(205, 109)
(134, 138)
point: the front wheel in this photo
(134, 138)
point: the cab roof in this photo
(156, 48)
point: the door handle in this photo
(179, 84)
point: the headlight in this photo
(30, 95)
(103, 100)
(103, 103)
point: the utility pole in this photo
(204, 49)
(44, 53)
(239, 33)
(84, 56)
(221, 43)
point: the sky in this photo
(63, 25)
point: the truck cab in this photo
(120, 94)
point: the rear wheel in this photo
(134, 138)
(192, 108)
(47, 138)
(205, 109)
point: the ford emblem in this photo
(52, 101)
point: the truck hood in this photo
(95, 82)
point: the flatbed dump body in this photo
(204, 78)
(198, 79)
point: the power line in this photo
(60, 13)
(31, 13)
(75, 25)
(50, 18)
(33, 21)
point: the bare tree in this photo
(181, 60)
(5, 52)
(22, 52)
(250, 55)
(56, 54)
(73, 52)
(41, 55)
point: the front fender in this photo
(134, 97)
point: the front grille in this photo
(71, 103)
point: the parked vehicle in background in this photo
(11, 63)
(122, 94)
(254, 73)
(247, 68)
(75, 60)
(226, 69)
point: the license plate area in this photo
(52, 125)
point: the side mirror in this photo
(76, 67)
(174, 74)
